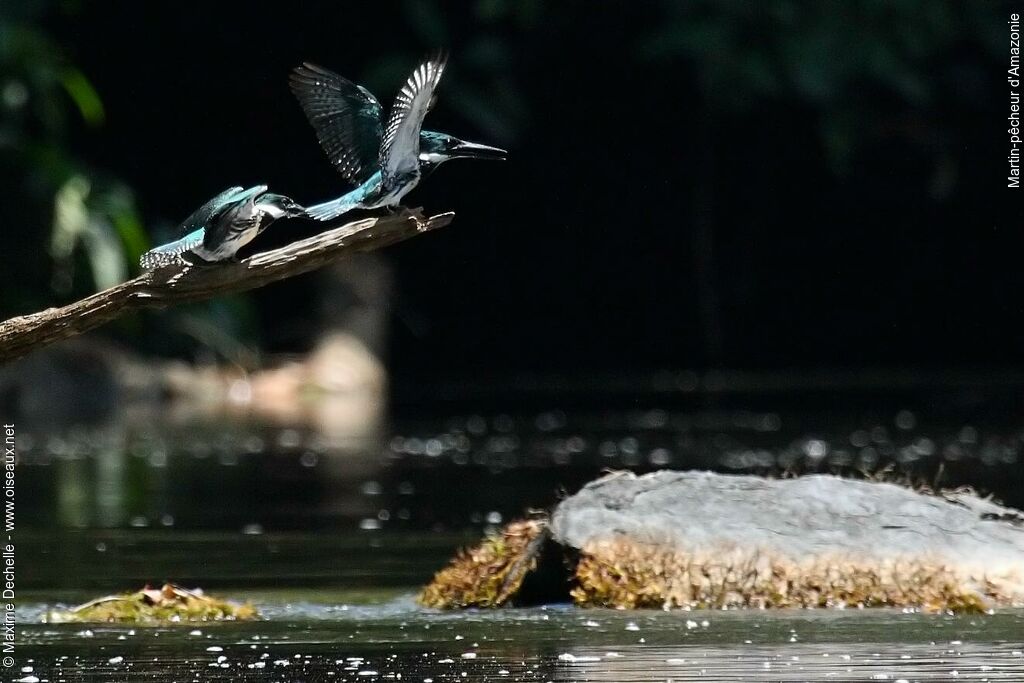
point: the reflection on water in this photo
(394, 641)
(71, 566)
(885, 662)
(324, 533)
(476, 469)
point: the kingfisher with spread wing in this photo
(383, 160)
(223, 225)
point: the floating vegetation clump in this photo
(625, 574)
(169, 604)
(490, 573)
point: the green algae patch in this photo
(491, 573)
(628, 575)
(167, 605)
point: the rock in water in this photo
(698, 539)
(704, 540)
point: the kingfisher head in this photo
(437, 148)
(277, 205)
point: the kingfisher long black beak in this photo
(473, 150)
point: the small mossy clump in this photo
(169, 604)
(490, 573)
(629, 575)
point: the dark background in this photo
(753, 185)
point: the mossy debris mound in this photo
(629, 575)
(166, 605)
(489, 574)
(704, 540)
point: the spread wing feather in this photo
(202, 216)
(400, 146)
(346, 118)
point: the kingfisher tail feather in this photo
(332, 209)
(169, 253)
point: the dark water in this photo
(466, 470)
(331, 535)
(394, 641)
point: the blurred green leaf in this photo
(84, 96)
(133, 235)
(106, 257)
(70, 217)
(83, 218)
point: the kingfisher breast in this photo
(397, 186)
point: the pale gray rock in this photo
(802, 518)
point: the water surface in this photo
(306, 638)
(332, 537)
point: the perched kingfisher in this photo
(383, 161)
(223, 225)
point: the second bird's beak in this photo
(472, 150)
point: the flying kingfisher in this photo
(223, 225)
(383, 161)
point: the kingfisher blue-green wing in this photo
(400, 147)
(202, 216)
(347, 119)
(235, 215)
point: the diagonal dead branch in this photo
(181, 283)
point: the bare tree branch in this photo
(175, 284)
